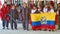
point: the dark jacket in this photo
(25, 13)
(13, 13)
(37, 11)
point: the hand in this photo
(41, 12)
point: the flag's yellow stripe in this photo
(48, 16)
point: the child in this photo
(51, 8)
(34, 10)
(40, 9)
(45, 9)
(13, 16)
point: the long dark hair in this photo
(35, 6)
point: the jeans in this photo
(25, 24)
(5, 23)
(13, 22)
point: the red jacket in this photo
(5, 11)
(31, 6)
(56, 17)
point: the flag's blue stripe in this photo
(36, 23)
(51, 23)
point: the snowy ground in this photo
(21, 31)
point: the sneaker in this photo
(12, 29)
(27, 29)
(53, 30)
(24, 29)
(49, 30)
(3, 27)
(8, 28)
(16, 28)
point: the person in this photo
(31, 4)
(51, 9)
(34, 10)
(45, 9)
(51, 27)
(58, 19)
(24, 11)
(40, 9)
(13, 13)
(5, 11)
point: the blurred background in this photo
(41, 2)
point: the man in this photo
(25, 16)
(5, 11)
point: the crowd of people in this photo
(11, 14)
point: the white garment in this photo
(33, 11)
(52, 10)
(45, 9)
(57, 12)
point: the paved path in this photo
(21, 31)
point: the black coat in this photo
(13, 13)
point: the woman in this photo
(51, 9)
(58, 16)
(45, 9)
(40, 9)
(51, 27)
(34, 10)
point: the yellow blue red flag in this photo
(44, 18)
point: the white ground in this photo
(21, 31)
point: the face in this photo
(34, 8)
(24, 5)
(13, 7)
(39, 7)
(5, 4)
(32, 2)
(46, 6)
(51, 7)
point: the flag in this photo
(44, 20)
